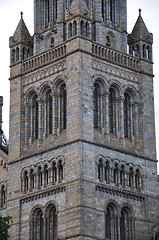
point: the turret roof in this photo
(78, 7)
(140, 31)
(21, 33)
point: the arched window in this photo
(70, 30)
(54, 173)
(49, 112)
(17, 54)
(144, 51)
(13, 56)
(107, 172)
(46, 175)
(116, 174)
(28, 53)
(40, 178)
(98, 105)
(3, 196)
(148, 55)
(52, 42)
(126, 229)
(31, 180)
(37, 225)
(108, 43)
(35, 117)
(127, 115)
(87, 29)
(137, 180)
(82, 28)
(25, 181)
(100, 170)
(95, 105)
(122, 176)
(110, 223)
(51, 223)
(24, 53)
(112, 111)
(131, 178)
(74, 30)
(60, 171)
(63, 106)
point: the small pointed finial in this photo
(21, 14)
(140, 11)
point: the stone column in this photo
(44, 228)
(118, 227)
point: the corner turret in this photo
(140, 40)
(21, 44)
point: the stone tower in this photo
(82, 159)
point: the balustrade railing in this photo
(114, 56)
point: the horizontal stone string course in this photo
(114, 56)
(42, 194)
(43, 58)
(120, 192)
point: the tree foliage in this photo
(4, 226)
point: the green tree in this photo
(4, 227)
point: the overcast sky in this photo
(10, 16)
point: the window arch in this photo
(32, 184)
(126, 229)
(46, 175)
(54, 173)
(60, 171)
(17, 54)
(37, 225)
(82, 28)
(26, 187)
(40, 177)
(51, 222)
(116, 174)
(107, 172)
(49, 111)
(112, 110)
(70, 30)
(98, 104)
(122, 176)
(110, 222)
(127, 115)
(100, 170)
(131, 178)
(74, 28)
(3, 196)
(137, 179)
(63, 106)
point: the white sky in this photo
(10, 16)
